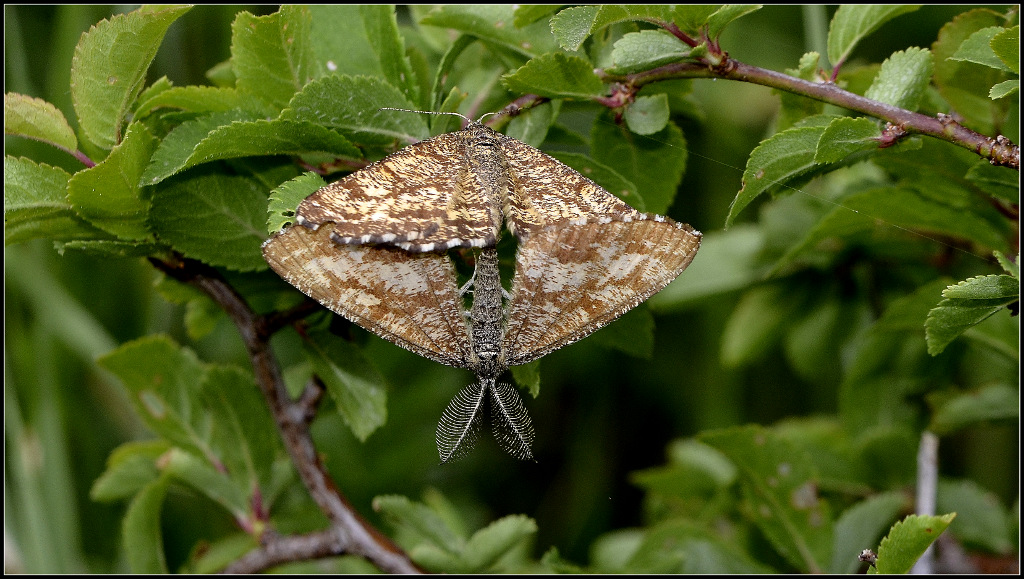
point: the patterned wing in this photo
(572, 280)
(545, 192)
(409, 299)
(425, 197)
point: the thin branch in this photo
(998, 150)
(927, 484)
(349, 532)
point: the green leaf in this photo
(529, 13)
(1006, 45)
(361, 39)
(907, 541)
(356, 386)
(574, 25)
(489, 544)
(286, 198)
(726, 15)
(143, 542)
(37, 119)
(531, 126)
(644, 50)
(648, 114)
(633, 333)
(982, 521)
(210, 481)
(996, 181)
(36, 205)
(681, 546)
(255, 139)
(494, 25)
(109, 69)
(967, 304)
(774, 162)
(952, 412)
(179, 145)
(1004, 89)
(1011, 267)
(556, 75)
(903, 78)
(201, 99)
(455, 96)
(420, 519)
(757, 323)
(860, 527)
(352, 104)
(845, 136)
(692, 17)
(109, 195)
(528, 376)
(130, 468)
(654, 164)
(164, 381)
(780, 485)
(215, 218)
(978, 49)
(965, 85)
(853, 22)
(272, 56)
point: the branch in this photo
(349, 532)
(998, 150)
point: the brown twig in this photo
(998, 150)
(349, 532)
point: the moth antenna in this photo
(459, 428)
(510, 423)
(464, 117)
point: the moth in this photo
(370, 247)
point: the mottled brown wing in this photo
(409, 299)
(572, 280)
(422, 198)
(545, 192)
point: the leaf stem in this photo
(349, 532)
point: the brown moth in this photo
(368, 248)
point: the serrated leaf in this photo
(489, 544)
(209, 481)
(284, 200)
(954, 412)
(33, 118)
(36, 205)
(726, 15)
(954, 316)
(107, 248)
(845, 136)
(215, 218)
(200, 99)
(494, 24)
(965, 85)
(648, 114)
(978, 49)
(907, 541)
(1011, 267)
(421, 520)
(140, 530)
(260, 138)
(692, 17)
(646, 49)
(529, 13)
(853, 22)
(1004, 89)
(1006, 45)
(574, 25)
(860, 527)
(164, 381)
(370, 45)
(655, 164)
(109, 69)
(356, 386)
(981, 519)
(556, 75)
(130, 467)
(272, 56)
(109, 195)
(903, 78)
(775, 161)
(178, 146)
(780, 485)
(352, 104)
